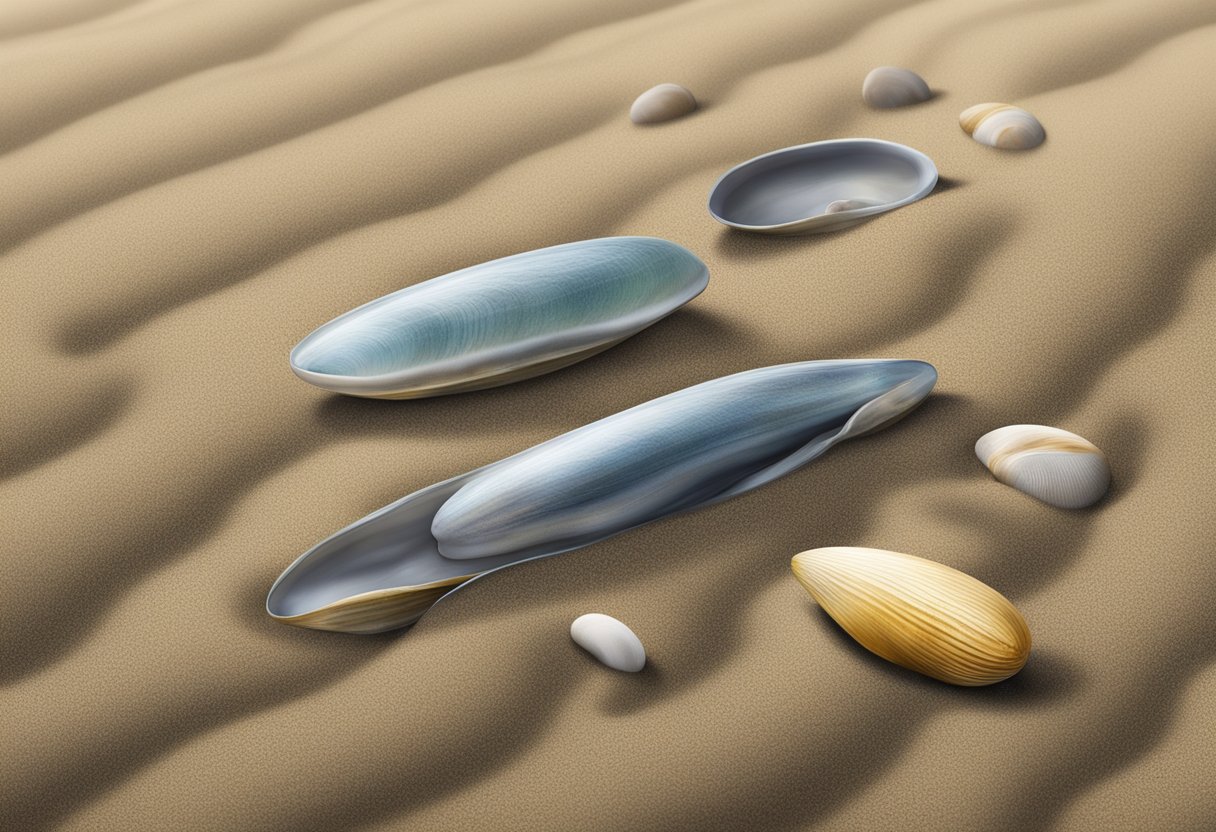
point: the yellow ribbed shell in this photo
(917, 613)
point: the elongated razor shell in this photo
(822, 186)
(917, 613)
(696, 446)
(680, 452)
(501, 321)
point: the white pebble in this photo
(610, 641)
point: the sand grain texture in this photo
(190, 188)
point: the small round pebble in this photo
(662, 103)
(610, 641)
(891, 86)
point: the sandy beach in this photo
(190, 188)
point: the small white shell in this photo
(1052, 465)
(662, 103)
(610, 641)
(1003, 126)
(890, 86)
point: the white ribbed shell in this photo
(1052, 465)
(918, 614)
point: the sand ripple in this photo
(191, 187)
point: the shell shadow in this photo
(510, 408)
(945, 183)
(1123, 444)
(1047, 677)
(635, 692)
(1148, 716)
(748, 246)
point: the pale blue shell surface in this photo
(502, 320)
(683, 451)
(677, 452)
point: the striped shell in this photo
(890, 86)
(501, 321)
(1003, 126)
(680, 452)
(918, 614)
(610, 641)
(1052, 465)
(662, 103)
(822, 186)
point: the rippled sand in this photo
(189, 188)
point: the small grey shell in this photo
(610, 641)
(890, 86)
(662, 103)
(1002, 126)
(681, 452)
(501, 321)
(1052, 465)
(822, 186)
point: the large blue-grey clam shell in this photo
(683, 451)
(501, 321)
(822, 186)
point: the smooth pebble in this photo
(610, 641)
(891, 86)
(662, 103)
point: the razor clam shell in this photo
(789, 191)
(501, 321)
(385, 570)
(891, 86)
(1002, 126)
(917, 613)
(611, 642)
(1050, 464)
(684, 450)
(664, 102)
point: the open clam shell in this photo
(680, 452)
(501, 321)
(801, 190)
